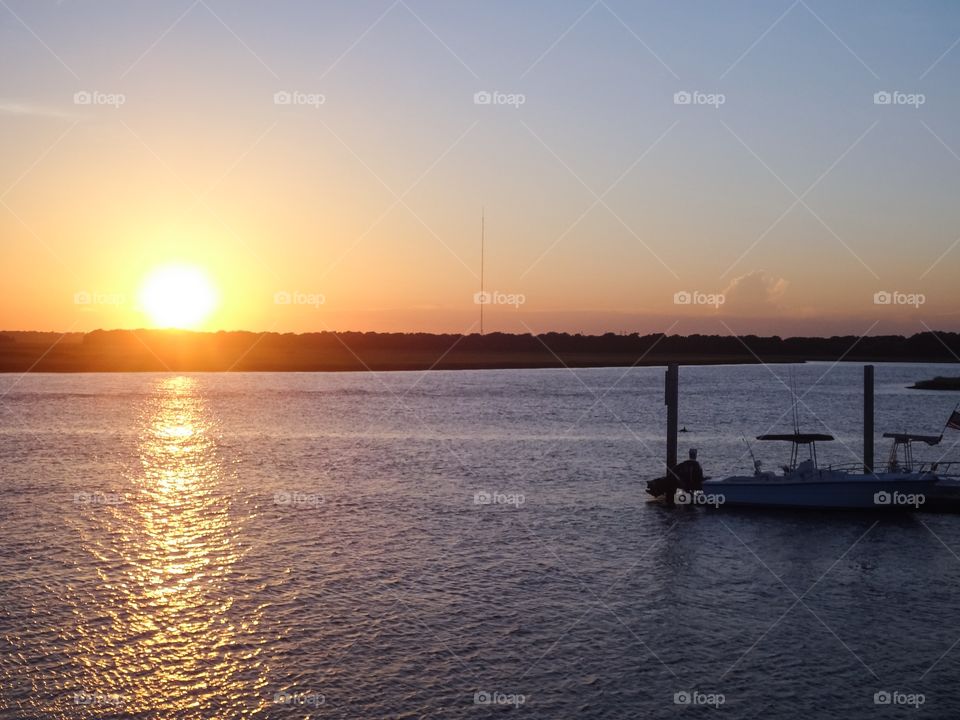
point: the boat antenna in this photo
(796, 421)
(796, 401)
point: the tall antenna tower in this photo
(483, 298)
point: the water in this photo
(308, 545)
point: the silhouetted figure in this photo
(690, 474)
(686, 476)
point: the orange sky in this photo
(357, 195)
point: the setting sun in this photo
(178, 296)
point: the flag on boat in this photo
(954, 421)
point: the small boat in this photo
(805, 485)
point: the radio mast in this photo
(483, 299)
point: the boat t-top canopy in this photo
(912, 437)
(799, 438)
(905, 442)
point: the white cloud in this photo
(754, 292)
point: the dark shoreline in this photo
(181, 351)
(938, 383)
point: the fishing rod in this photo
(756, 463)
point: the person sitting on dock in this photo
(690, 474)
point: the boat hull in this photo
(944, 496)
(873, 492)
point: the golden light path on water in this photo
(212, 591)
(173, 646)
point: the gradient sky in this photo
(798, 198)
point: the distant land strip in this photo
(184, 351)
(937, 383)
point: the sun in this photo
(178, 296)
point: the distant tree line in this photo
(922, 346)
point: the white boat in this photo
(805, 485)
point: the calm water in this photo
(309, 545)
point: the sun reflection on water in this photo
(175, 644)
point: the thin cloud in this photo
(26, 109)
